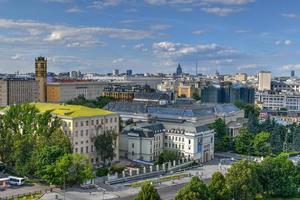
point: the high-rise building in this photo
(41, 77)
(115, 72)
(264, 80)
(292, 73)
(129, 72)
(178, 70)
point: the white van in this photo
(13, 180)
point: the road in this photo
(165, 193)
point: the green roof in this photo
(71, 111)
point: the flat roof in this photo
(71, 111)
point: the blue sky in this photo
(151, 35)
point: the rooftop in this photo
(71, 111)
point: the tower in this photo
(41, 76)
(179, 70)
(264, 80)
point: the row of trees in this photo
(99, 102)
(257, 138)
(274, 177)
(33, 145)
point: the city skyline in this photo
(150, 36)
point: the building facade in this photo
(82, 124)
(41, 77)
(264, 81)
(15, 91)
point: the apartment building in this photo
(82, 124)
(15, 91)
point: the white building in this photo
(145, 141)
(264, 80)
(278, 101)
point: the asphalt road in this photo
(165, 193)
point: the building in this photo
(227, 93)
(41, 77)
(82, 124)
(17, 90)
(115, 72)
(241, 77)
(292, 73)
(128, 72)
(145, 141)
(278, 101)
(152, 97)
(179, 70)
(186, 91)
(264, 81)
(58, 92)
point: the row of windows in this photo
(175, 146)
(86, 149)
(92, 131)
(94, 122)
(175, 138)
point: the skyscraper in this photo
(41, 76)
(129, 72)
(292, 73)
(264, 80)
(178, 70)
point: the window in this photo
(76, 150)
(166, 144)
(86, 132)
(189, 141)
(116, 119)
(92, 148)
(87, 123)
(81, 133)
(182, 139)
(81, 150)
(92, 122)
(76, 133)
(87, 149)
(132, 153)
(97, 121)
(132, 145)
(111, 120)
(81, 123)
(175, 138)
(87, 141)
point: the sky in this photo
(151, 35)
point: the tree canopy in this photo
(148, 192)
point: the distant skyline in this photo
(151, 35)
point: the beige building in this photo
(15, 91)
(63, 91)
(186, 90)
(264, 80)
(82, 124)
(241, 77)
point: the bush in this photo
(103, 171)
(116, 168)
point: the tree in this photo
(195, 189)
(70, 169)
(105, 146)
(278, 176)
(167, 156)
(99, 102)
(6, 144)
(217, 187)
(222, 140)
(148, 192)
(242, 181)
(261, 144)
(243, 142)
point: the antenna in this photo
(197, 68)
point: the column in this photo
(151, 168)
(130, 172)
(123, 172)
(145, 170)
(138, 171)
(164, 167)
(157, 167)
(174, 162)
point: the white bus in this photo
(13, 180)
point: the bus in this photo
(13, 180)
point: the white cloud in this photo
(99, 4)
(198, 32)
(289, 15)
(118, 60)
(74, 10)
(230, 2)
(290, 67)
(283, 42)
(221, 11)
(140, 47)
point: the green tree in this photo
(105, 146)
(243, 142)
(242, 181)
(222, 140)
(99, 102)
(278, 176)
(261, 144)
(70, 169)
(167, 156)
(6, 144)
(148, 192)
(217, 187)
(195, 189)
